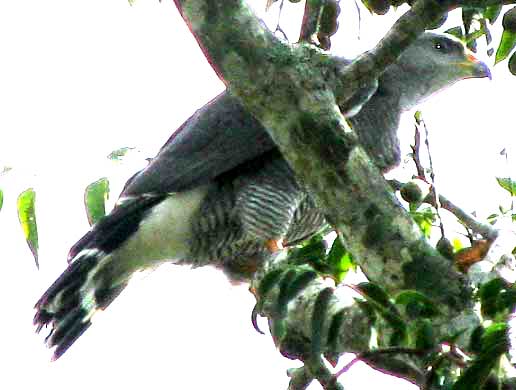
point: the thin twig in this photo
(415, 153)
(278, 27)
(485, 230)
(468, 220)
(359, 15)
(421, 122)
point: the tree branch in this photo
(310, 20)
(297, 105)
(294, 91)
(485, 230)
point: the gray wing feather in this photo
(222, 135)
(218, 137)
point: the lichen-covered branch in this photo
(484, 229)
(295, 91)
(291, 90)
(373, 62)
(303, 328)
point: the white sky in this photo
(79, 79)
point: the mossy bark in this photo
(295, 91)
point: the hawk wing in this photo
(217, 138)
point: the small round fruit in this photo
(411, 193)
(445, 248)
(512, 64)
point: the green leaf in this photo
(379, 7)
(284, 290)
(382, 304)
(495, 342)
(425, 337)
(507, 300)
(339, 260)
(417, 304)
(456, 32)
(496, 338)
(278, 330)
(318, 319)
(489, 293)
(512, 64)
(269, 281)
(399, 335)
(374, 293)
(493, 383)
(436, 23)
(1, 199)
(118, 154)
(95, 197)
(346, 263)
(509, 20)
(475, 341)
(507, 184)
(457, 244)
(452, 338)
(507, 44)
(27, 216)
(337, 251)
(468, 15)
(424, 219)
(285, 279)
(368, 310)
(299, 283)
(313, 251)
(492, 12)
(335, 328)
(492, 218)
(476, 374)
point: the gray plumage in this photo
(219, 191)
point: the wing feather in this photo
(217, 138)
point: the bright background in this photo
(79, 79)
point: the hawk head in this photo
(432, 63)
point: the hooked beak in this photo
(475, 68)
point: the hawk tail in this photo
(97, 274)
(85, 287)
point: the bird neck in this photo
(377, 124)
(408, 84)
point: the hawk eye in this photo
(439, 46)
(444, 46)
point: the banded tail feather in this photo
(69, 304)
(103, 261)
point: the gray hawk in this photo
(219, 192)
